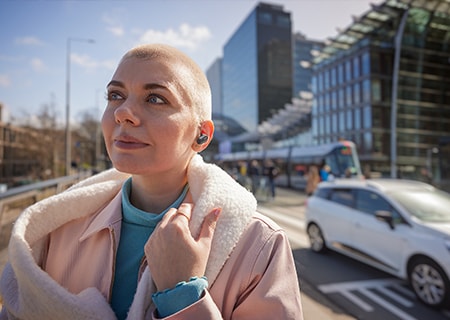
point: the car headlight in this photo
(447, 244)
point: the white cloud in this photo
(185, 36)
(37, 64)
(83, 60)
(110, 19)
(29, 41)
(117, 31)
(5, 81)
(87, 62)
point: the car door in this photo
(337, 217)
(374, 238)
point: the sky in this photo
(34, 37)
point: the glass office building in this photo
(257, 67)
(384, 83)
(303, 52)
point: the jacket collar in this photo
(210, 186)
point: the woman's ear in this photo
(205, 136)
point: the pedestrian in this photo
(254, 173)
(313, 180)
(163, 234)
(271, 172)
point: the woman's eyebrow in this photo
(115, 83)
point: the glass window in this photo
(376, 90)
(327, 79)
(319, 82)
(341, 122)
(283, 21)
(341, 98)
(370, 202)
(356, 93)
(366, 90)
(368, 141)
(349, 119)
(365, 63)
(340, 74)
(357, 118)
(334, 100)
(348, 96)
(356, 72)
(367, 117)
(334, 128)
(348, 70)
(342, 196)
(265, 18)
(314, 84)
(333, 77)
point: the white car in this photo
(399, 226)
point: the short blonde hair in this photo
(200, 93)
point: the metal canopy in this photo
(377, 17)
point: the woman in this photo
(313, 180)
(163, 235)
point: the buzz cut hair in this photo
(200, 93)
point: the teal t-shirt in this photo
(137, 226)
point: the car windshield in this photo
(427, 205)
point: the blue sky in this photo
(33, 37)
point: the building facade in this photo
(303, 52)
(383, 83)
(214, 75)
(257, 66)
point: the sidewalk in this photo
(315, 304)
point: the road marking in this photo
(364, 287)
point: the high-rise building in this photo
(257, 66)
(303, 52)
(214, 75)
(383, 83)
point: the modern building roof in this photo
(377, 17)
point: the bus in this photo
(294, 162)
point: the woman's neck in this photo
(154, 196)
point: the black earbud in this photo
(202, 139)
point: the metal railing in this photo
(15, 200)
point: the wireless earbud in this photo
(202, 139)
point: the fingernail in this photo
(217, 211)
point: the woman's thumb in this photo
(209, 224)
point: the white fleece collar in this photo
(210, 186)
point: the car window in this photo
(342, 196)
(322, 193)
(370, 202)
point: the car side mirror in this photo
(386, 216)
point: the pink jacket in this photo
(73, 236)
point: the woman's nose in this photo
(126, 113)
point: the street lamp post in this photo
(68, 136)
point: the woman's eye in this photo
(156, 99)
(113, 96)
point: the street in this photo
(336, 287)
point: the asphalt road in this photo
(336, 287)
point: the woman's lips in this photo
(128, 143)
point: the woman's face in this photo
(149, 123)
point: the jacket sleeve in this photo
(271, 290)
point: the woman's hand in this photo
(173, 255)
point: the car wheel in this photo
(429, 282)
(316, 239)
